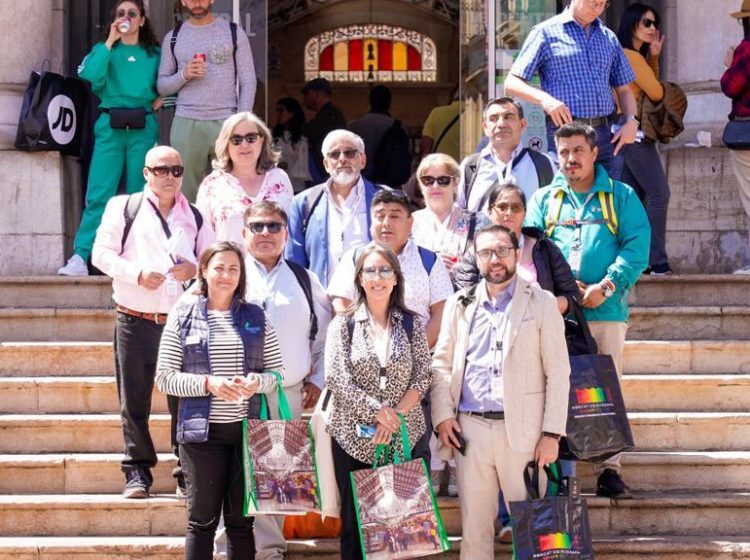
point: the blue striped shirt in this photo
(575, 67)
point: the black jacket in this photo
(552, 270)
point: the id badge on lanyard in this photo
(496, 380)
(575, 254)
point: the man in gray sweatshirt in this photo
(214, 77)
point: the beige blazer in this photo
(536, 369)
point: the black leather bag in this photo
(737, 134)
(127, 118)
(577, 333)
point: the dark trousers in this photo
(422, 446)
(606, 156)
(213, 475)
(343, 464)
(643, 172)
(136, 348)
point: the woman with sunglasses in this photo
(642, 42)
(287, 135)
(217, 354)
(244, 172)
(122, 70)
(443, 227)
(541, 260)
(377, 366)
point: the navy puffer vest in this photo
(249, 320)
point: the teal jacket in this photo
(621, 258)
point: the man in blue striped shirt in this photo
(579, 61)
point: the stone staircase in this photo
(687, 386)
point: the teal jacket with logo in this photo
(621, 258)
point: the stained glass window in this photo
(380, 53)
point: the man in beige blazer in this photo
(503, 388)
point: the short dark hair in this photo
(495, 228)
(503, 101)
(577, 129)
(392, 196)
(500, 188)
(380, 99)
(208, 254)
(265, 207)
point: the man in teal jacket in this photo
(602, 229)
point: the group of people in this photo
(450, 317)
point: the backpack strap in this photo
(445, 131)
(470, 174)
(554, 206)
(607, 202)
(173, 41)
(408, 324)
(472, 227)
(312, 199)
(132, 206)
(233, 31)
(428, 259)
(543, 167)
(303, 278)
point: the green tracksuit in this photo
(124, 77)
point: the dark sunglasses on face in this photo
(515, 208)
(162, 171)
(132, 14)
(250, 138)
(259, 227)
(371, 272)
(442, 181)
(501, 251)
(348, 153)
(648, 23)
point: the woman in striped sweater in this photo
(217, 354)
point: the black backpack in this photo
(303, 278)
(133, 205)
(392, 165)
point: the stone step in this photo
(77, 473)
(25, 359)
(693, 323)
(726, 513)
(32, 395)
(697, 393)
(101, 433)
(48, 323)
(700, 547)
(690, 289)
(55, 291)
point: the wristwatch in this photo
(553, 436)
(608, 288)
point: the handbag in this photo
(127, 118)
(736, 134)
(663, 120)
(554, 527)
(578, 337)
(279, 462)
(329, 490)
(397, 514)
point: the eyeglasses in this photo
(501, 251)
(442, 181)
(372, 272)
(162, 171)
(132, 14)
(349, 153)
(260, 227)
(648, 23)
(515, 208)
(250, 138)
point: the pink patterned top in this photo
(222, 200)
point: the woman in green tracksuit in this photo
(122, 71)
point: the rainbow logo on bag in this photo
(593, 395)
(555, 541)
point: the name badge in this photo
(193, 339)
(574, 257)
(496, 387)
(172, 288)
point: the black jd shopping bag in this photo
(52, 114)
(551, 528)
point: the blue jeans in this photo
(611, 162)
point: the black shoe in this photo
(137, 485)
(661, 270)
(610, 485)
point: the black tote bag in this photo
(52, 114)
(551, 528)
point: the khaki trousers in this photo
(610, 338)
(489, 465)
(269, 537)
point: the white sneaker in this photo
(76, 266)
(744, 270)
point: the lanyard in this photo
(579, 214)
(376, 339)
(500, 323)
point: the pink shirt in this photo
(145, 249)
(223, 201)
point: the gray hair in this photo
(342, 134)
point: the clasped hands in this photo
(388, 423)
(232, 389)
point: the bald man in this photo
(148, 243)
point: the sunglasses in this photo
(162, 171)
(250, 138)
(132, 14)
(260, 227)
(372, 272)
(348, 154)
(515, 208)
(501, 251)
(442, 181)
(648, 23)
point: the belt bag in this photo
(737, 134)
(127, 118)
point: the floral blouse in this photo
(450, 237)
(222, 200)
(353, 378)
